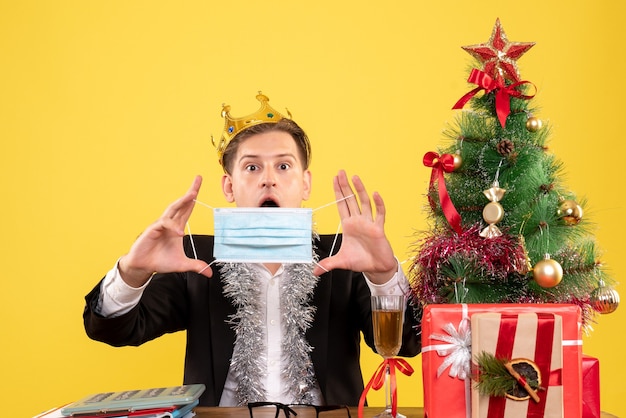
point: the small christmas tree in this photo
(505, 229)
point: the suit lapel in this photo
(317, 335)
(222, 334)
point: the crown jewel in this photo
(232, 126)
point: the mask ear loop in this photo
(193, 245)
(332, 248)
(193, 248)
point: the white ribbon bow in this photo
(458, 351)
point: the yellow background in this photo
(106, 114)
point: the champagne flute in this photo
(387, 321)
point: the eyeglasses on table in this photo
(288, 409)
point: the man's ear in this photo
(227, 188)
(307, 178)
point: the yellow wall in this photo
(106, 113)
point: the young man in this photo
(279, 332)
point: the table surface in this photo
(304, 412)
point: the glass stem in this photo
(388, 389)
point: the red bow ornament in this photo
(378, 380)
(503, 92)
(440, 164)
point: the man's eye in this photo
(251, 168)
(284, 166)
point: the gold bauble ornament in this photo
(547, 273)
(570, 211)
(604, 299)
(458, 161)
(533, 124)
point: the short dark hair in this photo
(283, 125)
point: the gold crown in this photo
(232, 126)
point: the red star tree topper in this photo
(498, 55)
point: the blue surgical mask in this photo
(263, 235)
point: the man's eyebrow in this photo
(253, 156)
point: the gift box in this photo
(591, 387)
(534, 340)
(446, 355)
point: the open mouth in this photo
(269, 203)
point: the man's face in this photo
(267, 171)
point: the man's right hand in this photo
(159, 249)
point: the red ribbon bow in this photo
(440, 164)
(378, 380)
(503, 92)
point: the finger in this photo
(186, 264)
(366, 206)
(380, 209)
(178, 207)
(195, 185)
(194, 189)
(346, 190)
(163, 226)
(187, 202)
(324, 266)
(206, 271)
(342, 206)
(183, 207)
(173, 225)
(319, 270)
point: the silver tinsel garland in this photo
(249, 359)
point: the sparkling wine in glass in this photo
(387, 320)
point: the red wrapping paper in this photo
(534, 336)
(446, 396)
(591, 387)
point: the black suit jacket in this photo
(188, 301)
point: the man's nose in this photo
(269, 178)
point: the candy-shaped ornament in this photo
(493, 212)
